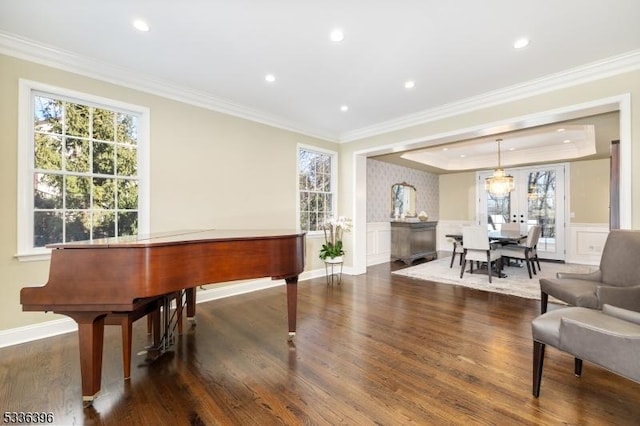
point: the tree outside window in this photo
(316, 182)
(85, 171)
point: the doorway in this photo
(538, 199)
(358, 180)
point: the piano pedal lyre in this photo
(162, 324)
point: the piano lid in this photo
(179, 237)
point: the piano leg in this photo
(292, 304)
(91, 336)
(190, 296)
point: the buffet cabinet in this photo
(413, 240)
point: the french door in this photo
(538, 199)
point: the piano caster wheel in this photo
(292, 334)
(192, 321)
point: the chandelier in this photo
(500, 184)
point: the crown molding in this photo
(32, 51)
(28, 50)
(615, 65)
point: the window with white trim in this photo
(82, 168)
(316, 187)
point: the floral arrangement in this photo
(333, 230)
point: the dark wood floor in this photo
(379, 349)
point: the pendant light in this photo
(500, 184)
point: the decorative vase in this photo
(423, 216)
(337, 259)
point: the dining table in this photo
(502, 237)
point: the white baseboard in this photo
(43, 330)
(28, 333)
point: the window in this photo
(81, 168)
(316, 186)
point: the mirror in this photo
(403, 201)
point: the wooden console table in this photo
(411, 240)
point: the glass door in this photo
(538, 199)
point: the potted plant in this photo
(332, 251)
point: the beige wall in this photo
(208, 170)
(458, 196)
(589, 188)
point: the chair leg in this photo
(544, 300)
(463, 261)
(577, 367)
(489, 266)
(538, 361)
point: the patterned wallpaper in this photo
(381, 176)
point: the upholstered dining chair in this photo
(477, 248)
(510, 226)
(616, 282)
(526, 251)
(609, 338)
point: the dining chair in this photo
(525, 251)
(477, 248)
(510, 226)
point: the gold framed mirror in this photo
(403, 201)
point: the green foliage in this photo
(86, 179)
(331, 250)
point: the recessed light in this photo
(521, 43)
(344, 108)
(270, 78)
(337, 35)
(566, 141)
(462, 156)
(560, 129)
(409, 84)
(141, 25)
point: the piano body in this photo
(89, 280)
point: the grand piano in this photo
(91, 280)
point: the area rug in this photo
(516, 283)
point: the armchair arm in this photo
(625, 314)
(592, 276)
(621, 297)
(607, 341)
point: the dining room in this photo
(569, 197)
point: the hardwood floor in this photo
(379, 349)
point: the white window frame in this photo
(25, 249)
(334, 181)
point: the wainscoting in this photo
(585, 242)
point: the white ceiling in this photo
(217, 52)
(546, 144)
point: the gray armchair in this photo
(616, 282)
(609, 338)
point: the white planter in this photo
(338, 259)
